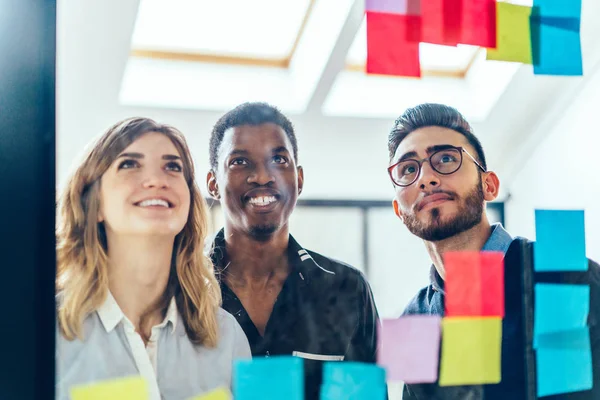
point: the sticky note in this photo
(404, 7)
(271, 378)
(217, 394)
(389, 52)
(353, 381)
(560, 307)
(441, 21)
(547, 35)
(557, 8)
(560, 239)
(471, 351)
(478, 26)
(408, 348)
(474, 284)
(131, 388)
(513, 34)
(564, 362)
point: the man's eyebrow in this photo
(280, 149)
(429, 150)
(236, 152)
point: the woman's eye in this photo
(174, 166)
(128, 164)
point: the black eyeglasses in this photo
(444, 162)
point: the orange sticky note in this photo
(474, 284)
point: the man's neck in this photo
(471, 240)
(251, 260)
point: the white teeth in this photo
(262, 200)
(153, 202)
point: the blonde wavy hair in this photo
(82, 264)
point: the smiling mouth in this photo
(154, 203)
(262, 201)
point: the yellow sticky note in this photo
(217, 394)
(471, 348)
(513, 34)
(132, 388)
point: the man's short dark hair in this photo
(430, 114)
(255, 113)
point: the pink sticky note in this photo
(403, 7)
(409, 348)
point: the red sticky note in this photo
(478, 25)
(388, 50)
(441, 21)
(474, 284)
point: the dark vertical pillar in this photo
(27, 198)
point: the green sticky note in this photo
(513, 34)
(217, 394)
(132, 388)
(471, 348)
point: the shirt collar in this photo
(300, 259)
(499, 240)
(110, 314)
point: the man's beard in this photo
(467, 216)
(262, 232)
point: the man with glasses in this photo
(442, 182)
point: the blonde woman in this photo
(136, 294)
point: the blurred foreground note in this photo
(479, 23)
(474, 284)
(353, 381)
(564, 362)
(471, 351)
(513, 34)
(217, 394)
(272, 378)
(560, 307)
(409, 348)
(560, 241)
(134, 388)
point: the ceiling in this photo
(188, 61)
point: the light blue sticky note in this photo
(557, 8)
(560, 239)
(353, 381)
(560, 308)
(548, 35)
(272, 378)
(564, 362)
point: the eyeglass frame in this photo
(428, 159)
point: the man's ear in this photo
(300, 179)
(491, 186)
(397, 209)
(212, 186)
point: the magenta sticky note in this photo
(409, 348)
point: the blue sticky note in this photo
(560, 238)
(353, 381)
(272, 378)
(560, 308)
(564, 362)
(556, 46)
(557, 8)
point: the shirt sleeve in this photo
(364, 341)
